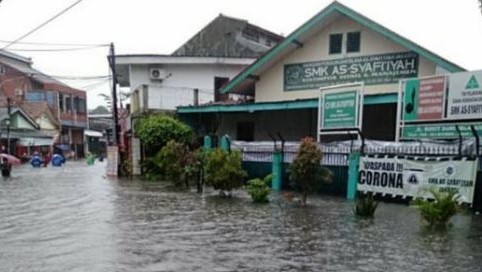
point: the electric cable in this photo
(56, 44)
(44, 23)
(57, 49)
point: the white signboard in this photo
(465, 95)
(414, 178)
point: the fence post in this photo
(225, 143)
(277, 170)
(354, 163)
(208, 142)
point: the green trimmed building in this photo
(337, 46)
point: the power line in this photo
(55, 44)
(44, 23)
(57, 49)
(68, 77)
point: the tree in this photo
(100, 110)
(305, 169)
(156, 130)
(223, 170)
(171, 160)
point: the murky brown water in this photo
(73, 219)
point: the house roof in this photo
(222, 38)
(246, 78)
(16, 57)
(14, 110)
(36, 109)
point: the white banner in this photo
(465, 95)
(413, 178)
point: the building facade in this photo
(336, 46)
(194, 74)
(25, 86)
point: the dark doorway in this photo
(245, 131)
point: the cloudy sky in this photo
(450, 28)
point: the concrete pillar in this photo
(208, 142)
(226, 143)
(354, 164)
(277, 171)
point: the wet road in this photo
(74, 219)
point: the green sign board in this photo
(340, 110)
(372, 70)
(439, 131)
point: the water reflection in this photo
(75, 219)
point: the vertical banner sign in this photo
(465, 95)
(424, 99)
(414, 178)
(340, 109)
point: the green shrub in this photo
(193, 167)
(171, 161)
(150, 169)
(305, 169)
(223, 170)
(439, 211)
(259, 189)
(156, 130)
(365, 206)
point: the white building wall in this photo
(177, 89)
(270, 86)
(45, 123)
(136, 156)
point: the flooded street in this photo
(74, 219)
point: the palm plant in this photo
(365, 206)
(439, 211)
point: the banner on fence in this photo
(414, 178)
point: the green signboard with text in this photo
(439, 131)
(372, 70)
(340, 110)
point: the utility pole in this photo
(115, 129)
(9, 110)
(115, 132)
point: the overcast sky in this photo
(450, 28)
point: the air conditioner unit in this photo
(157, 74)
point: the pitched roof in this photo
(13, 110)
(16, 57)
(37, 108)
(308, 29)
(229, 37)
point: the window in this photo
(251, 34)
(335, 43)
(219, 82)
(61, 102)
(68, 103)
(353, 42)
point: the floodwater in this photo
(75, 219)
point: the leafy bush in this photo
(305, 169)
(223, 170)
(193, 168)
(156, 130)
(365, 206)
(171, 161)
(439, 211)
(259, 189)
